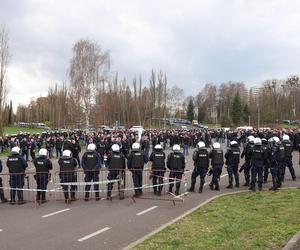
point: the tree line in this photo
(94, 96)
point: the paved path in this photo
(98, 225)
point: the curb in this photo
(135, 243)
(293, 244)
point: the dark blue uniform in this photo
(91, 165)
(258, 159)
(42, 166)
(116, 167)
(246, 167)
(277, 166)
(176, 163)
(158, 170)
(67, 174)
(232, 157)
(136, 161)
(201, 164)
(217, 162)
(16, 166)
(288, 158)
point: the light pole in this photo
(249, 119)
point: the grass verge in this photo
(17, 130)
(262, 220)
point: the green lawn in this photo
(262, 220)
(17, 130)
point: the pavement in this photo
(102, 224)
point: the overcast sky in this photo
(194, 42)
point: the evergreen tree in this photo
(236, 109)
(190, 110)
(246, 113)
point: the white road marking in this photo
(57, 212)
(93, 234)
(147, 210)
(1, 230)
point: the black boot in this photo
(229, 186)
(211, 186)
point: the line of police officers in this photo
(261, 157)
(91, 164)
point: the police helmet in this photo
(15, 150)
(158, 147)
(176, 147)
(251, 138)
(276, 139)
(43, 152)
(136, 146)
(286, 138)
(115, 148)
(201, 144)
(91, 147)
(233, 143)
(257, 141)
(216, 145)
(67, 153)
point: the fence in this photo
(88, 185)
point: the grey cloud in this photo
(194, 42)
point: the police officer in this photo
(176, 164)
(217, 162)
(2, 197)
(136, 160)
(201, 164)
(232, 157)
(258, 158)
(288, 156)
(277, 162)
(67, 166)
(267, 147)
(91, 165)
(16, 165)
(42, 165)
(246, 167)
(116, 167)
(157, 158)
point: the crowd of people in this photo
(264, 152)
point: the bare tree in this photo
(4, 57)
(89, 67)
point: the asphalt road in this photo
(100, 224)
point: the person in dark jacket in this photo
(176, 164)
(201, 164)
(16, 165)
(232, 157)
(67, 166)
(91, 165)
(258, 158)
(116, 167)
(135, 162)
(42, 165)
(217, 162)
(157, 158)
